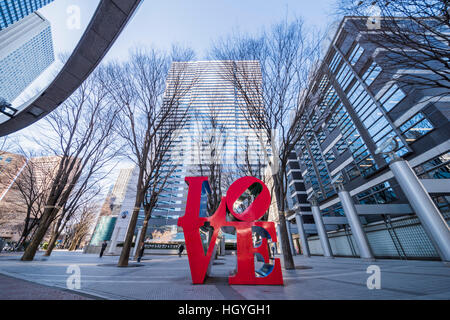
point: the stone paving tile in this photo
(168, 277)
(17, 289)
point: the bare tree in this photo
(413, 36)
(152, 114)
(82, 195)
(31, 191)
(81, 224)
(273, 94)
(81, 135)
(209, 151)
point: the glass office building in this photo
(209, 97)
(12, 11)
(360, 105)
(214, 114)
(26, 51)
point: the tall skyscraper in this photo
(215, 113)
(216, 131)
(26, 51)
(12, 11)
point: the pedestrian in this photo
(104, 245)
(180, 250)
(141, 252)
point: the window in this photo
(392, 97)
(356, 54)
(352, 171)
(341, 146)
(380, 194)
(367, 166)
(333, 211)
(321, 136)
(335, 62)
(436, 168)
(416, 127)
(329, 157)
(371, 74)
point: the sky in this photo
(193, 23)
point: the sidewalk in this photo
(168, 277)
(16, 289)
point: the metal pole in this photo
(288, 227)
(424, 207)
(321, 229)
(302, 235)
(355, 223)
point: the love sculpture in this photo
(191, 222)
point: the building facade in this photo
(26, 51)
(12, 11)
(213, 114)
(215, 132)
(22, 182)
(360, 106)
(115, 214)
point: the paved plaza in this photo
(168, 277)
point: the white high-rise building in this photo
(26, 51)
(216, 130)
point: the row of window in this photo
(415, 127)
(380, 194)
(436, 168)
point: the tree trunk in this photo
(47, 218)
(26, 229)
(51, 244)
(30, 251)
(287, 254)
(73, 244)
(125, 254)
(55, 235)
(140, 241)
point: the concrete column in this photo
(113, 245)
(291, 243)
(136, 244)
(432, 221)
(321, 229)
(302, 235)
(355, 223)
